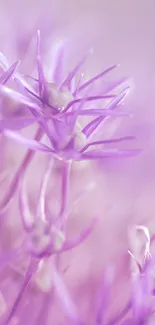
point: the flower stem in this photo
(15, 182)
(66, 169)
(30, 271)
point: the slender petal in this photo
(67, 302)
(57, 62)
(8, 74)
(100, 75)
(82, 236)
(42, 82)
(5, 64)
(91, 98)
(17, 97)
(90, 128)
(4, 61)
(31, 144)
(97, 112)
(111, 153)
(16, 123)
(111, 141)
(67, 81)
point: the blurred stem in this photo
(28, 276)
(15, 182)
(65, 183)
(121, 315)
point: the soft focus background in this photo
(120, 31)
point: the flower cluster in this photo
(69, 115)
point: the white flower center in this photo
(80, 138)
(40, 239)
(58, 238)
(44, 275)
(57, 98)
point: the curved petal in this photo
(31, 144)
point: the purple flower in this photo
(57, 109)
(68, 115)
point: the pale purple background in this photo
(120, 31)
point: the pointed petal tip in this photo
(134, 152)
(127, 88)
(38, 40)
(18, 63)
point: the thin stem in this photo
(15, 182)
(42, 193)
(44, 311)
(121, 315)
(66, 169)
(30, 271)
(26, 216)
